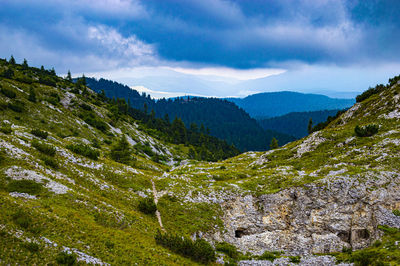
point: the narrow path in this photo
(156, 201)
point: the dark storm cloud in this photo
(238, 34)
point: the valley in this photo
(82, 179)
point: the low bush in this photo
(92, 119)
(6, 128)
(366, 131)
(63, 258)
(86, 107)
(22, 219)
(32, 95)
(25, 186)
(25, 221)
(31, 246)
(39, 133)
(228, 249)
(50, 161)
(84, 150)
(46, 80)
(44, 148)
(8, 93)
(396, 212)
(147, 205)
(294, 259)
(268, 255)
(198, 250)
(16, 106)
(371, 91)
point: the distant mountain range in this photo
(272, 104)
(295, 123)
(224, 119)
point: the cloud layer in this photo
(236, 39)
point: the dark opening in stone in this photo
(363, 233)
(239, 232)
(344, 236)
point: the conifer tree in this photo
(25, 63)
(12, 60)
(32, 95)
(69, 77)
(310, 126)
(121, 151)
(274, 144)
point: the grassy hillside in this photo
(70, 191)
(61, 189)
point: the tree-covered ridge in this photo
(296, 123)
(223, 119)
(271, 104)
(200, 145)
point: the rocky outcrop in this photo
(320, 217)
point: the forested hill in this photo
(222, 118)
(271, 104)
(296, 123)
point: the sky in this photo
(210, 47)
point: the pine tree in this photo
(12, 60)
(69, 77)
(179, 131)
(121, 151)
(25, 63)
(32, 95)
(274, 144)
(310, 126)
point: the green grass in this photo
(25, 186)
(384, 252)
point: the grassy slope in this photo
(340, 152)
(98, 215)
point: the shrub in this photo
(268, 255)
(228, 249)
(53, 100)
(198, 250)
(121, 151)
(84, 150)
(366, 131)
(49, 161)
(46, 80)
(16, 106)
(39, 133)
(396, 212)
(25, 186)
(6, 129)
(44, 148)
(90, 118)
(22, 219)
(64, 258)
(86, 107)
(294, 259)
(368, 93)
(366, 257)
(32, 95)
(8, 92)
(31, 246)
(147, 205)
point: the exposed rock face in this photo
(320, 217)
